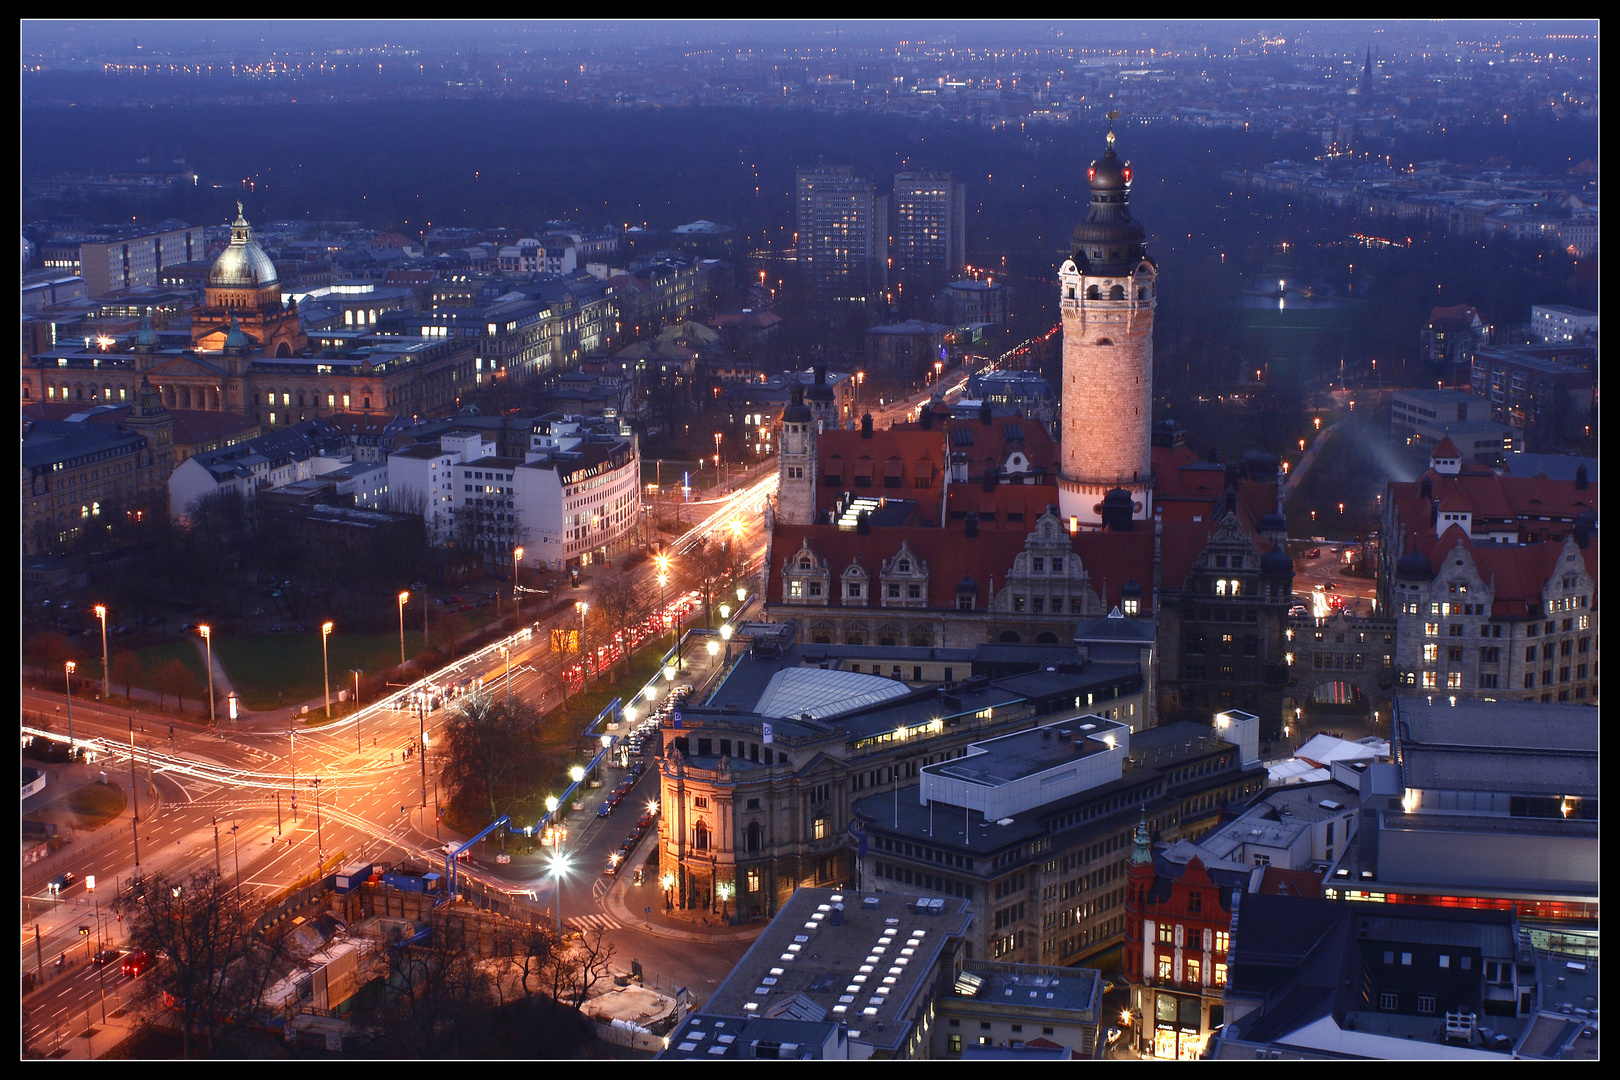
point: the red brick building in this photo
(1178, 922)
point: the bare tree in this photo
(492, 750)
(174, 677)
(621, 602)
(215, 966)
(125, 668)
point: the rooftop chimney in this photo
(972, 524)
(1580, 477)
(866, 426)
(985, 415)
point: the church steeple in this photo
(1366, 86)
(1142, 851)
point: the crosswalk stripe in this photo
(594, 922)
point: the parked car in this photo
(605, 810)
(275, 628)
(302, 628)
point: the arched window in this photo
(1117, 293)
(1046, 637)
(1010, 637)
(700, 837)
(1092, 293)
(921, 637)
(753, 836)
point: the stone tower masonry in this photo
(1109, 292)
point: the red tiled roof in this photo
(1445, 449)
(906, 455)
(1009, 506)
(1275, 881)
(1457, 315)
(1518, 575)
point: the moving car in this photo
(1314, 553)
(105, 957)
(63, 881)
(136, 963)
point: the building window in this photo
(956, 1044)
(1388, 1000)
(1222, 941)
(753, 881)
(1406, 959)
(819, 828)
(1220, 974)
(1426, 1004)
(1164, 967)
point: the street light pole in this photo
(69, 667)
(356, 673)
(517, 600)
(584, 653)
(506, 654)
(237, 859)
(404, 596)
(320, 844)
(106, 684)
(208, 640)
(326, 679)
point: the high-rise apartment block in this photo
(843, 237)
(929, 231)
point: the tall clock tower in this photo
(1109, 291)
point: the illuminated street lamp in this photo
(713, 648)
(70, 667)
(356, 673)
(724, 891)
(326, 679)
(742, 593)
(725, 611)
(106, 686)
(404, 596)
(208, 641)
(577, 773)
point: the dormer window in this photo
(905, 566)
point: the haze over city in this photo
(984, 540)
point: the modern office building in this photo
(1036, 826)
(929, 232)
(843, 236)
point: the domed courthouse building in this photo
(247, 353)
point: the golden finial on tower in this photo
(1113, 114)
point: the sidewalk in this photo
(649, 917)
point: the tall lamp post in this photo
(69, 668)
(326, 679)
(208, 640)
(517, 601)
(106, 685)
(320, 845)
(584, 653)
(356, 673)
(663, 581)
(404, 596)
